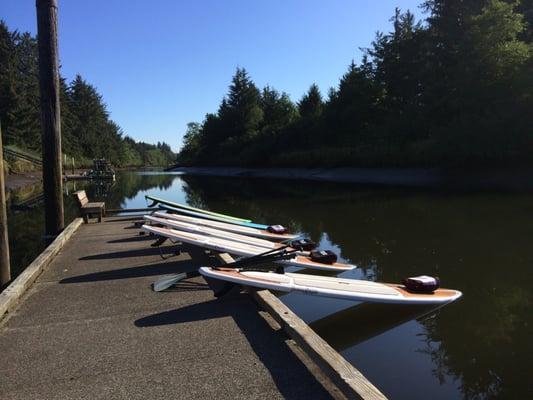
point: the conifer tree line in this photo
(453, 89)
(86, 128)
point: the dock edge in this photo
(11, 295)
(348, 379)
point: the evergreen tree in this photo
(23, 113)
(89, 117)
(355, 105)
(456, 89)
(87, 131)
(311, 104)
(278, 110)
(241, 113)
(494, 43)
(191, 143)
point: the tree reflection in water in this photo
(479, 243)
(26, 228)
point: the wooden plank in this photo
(95, 204)
(18, 154)
(5, 266)
(79, 196)
(92, 209)
(350, 381)
(11, 295)
(347, 378)
(128, 210)
(225, 258)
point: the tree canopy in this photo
(86, 128)
(454, 89)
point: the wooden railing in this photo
(13, 153)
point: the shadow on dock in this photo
(259, 335)
(92, 324)
(149, 251)
(132, 239)
(162, 268)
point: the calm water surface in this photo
(481, 243)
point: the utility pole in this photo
(50, 116)
(5, 267)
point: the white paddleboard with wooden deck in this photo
(241, 249)
(242, 230)
(204, 230)
(339, 288)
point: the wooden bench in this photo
(87, 209)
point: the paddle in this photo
(166, 282)
(260, 259)
(245, 263)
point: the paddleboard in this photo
(338, 288)
(242, 230)
(213, 217)
(241, 249)
(204, 230)
(157, 200)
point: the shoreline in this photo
(17, 181)
(430, 178)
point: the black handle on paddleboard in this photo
(256, 260)
(260, 255)
(267, 261)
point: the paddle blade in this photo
(169, 281)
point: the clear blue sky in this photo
(160, 64)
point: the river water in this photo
(480, 243)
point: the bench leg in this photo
(100, 216)
(86, 218)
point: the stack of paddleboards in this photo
(261, 246)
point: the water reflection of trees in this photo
(26, 228)
(353, 325)
(478, 243)
(127, 185)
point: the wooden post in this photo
(50, 116)
(5, 268)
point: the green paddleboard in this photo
(157, 200)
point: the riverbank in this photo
(19, 180)
(433, 178)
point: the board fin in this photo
(219, 288)
(160, 240)
(154, 203)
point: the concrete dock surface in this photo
(92, 328)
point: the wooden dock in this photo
(75, 177)
(83, 322)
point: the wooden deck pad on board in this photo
(92, 328)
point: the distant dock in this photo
(80, 177)
(83, 322)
